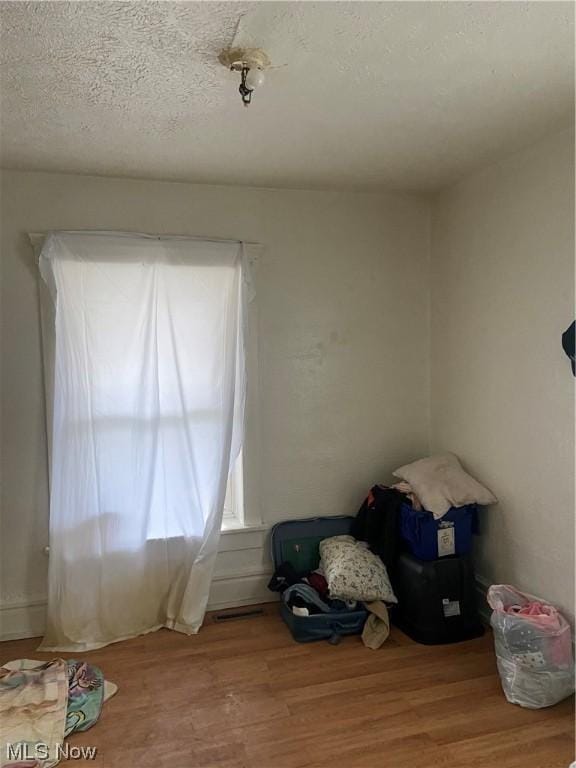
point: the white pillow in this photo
(353, 572)
(441, 483)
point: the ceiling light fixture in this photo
(250, 63)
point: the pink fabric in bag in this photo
(541, 615)
(533, 644)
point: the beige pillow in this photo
(441, 483)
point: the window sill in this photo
(235, 527)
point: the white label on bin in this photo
(451, 607)
(446, 542)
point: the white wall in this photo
(343, 351)
(343, 336)
(502, 388)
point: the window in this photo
(121, 415)
(148, 401)
(234, 504)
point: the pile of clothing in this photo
(357, 570)
(307, 594)
(41, 703)
(349, 577)
(435, 485)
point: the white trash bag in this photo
(533, 648)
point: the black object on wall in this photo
(568, 345)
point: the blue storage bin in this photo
(430, 539)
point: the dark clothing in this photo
(319, 583)
(568, 345)
(284, 576)
(377, 523)
(308, 591)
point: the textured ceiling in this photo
(403, 94)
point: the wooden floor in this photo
(244, 695)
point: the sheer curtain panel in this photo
(148, 406)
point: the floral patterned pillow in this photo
(353, 572)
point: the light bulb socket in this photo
(245, 61)
(244, 90)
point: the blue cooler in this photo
(431, 539)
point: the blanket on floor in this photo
(43, 702)
(33, 713)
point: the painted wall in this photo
(343, 351)
(502, 388)
(342, 330)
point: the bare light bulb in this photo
(254, 79)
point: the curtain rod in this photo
(36, 236)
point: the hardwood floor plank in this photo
(243, 694)
(527, 740)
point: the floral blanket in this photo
(33, 714)
(41, 704)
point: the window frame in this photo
(242, 503)
(233, 513)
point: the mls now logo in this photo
(40, 751)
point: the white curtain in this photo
(148, 404)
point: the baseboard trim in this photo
(22, 619)
(231, 590)
(220, 606)
(27, 618)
